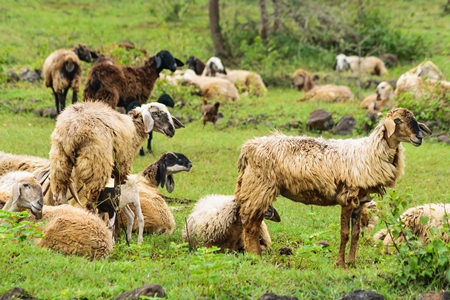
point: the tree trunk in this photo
(264, 21)
(216, 32)
(277, 15)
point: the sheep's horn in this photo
(42, 176)
(45, 187)
(74, 193)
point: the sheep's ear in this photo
(162, 172)
(94, 55)
(158, 61)
(148, 120)
(179, 62)
(177, 123)
(424, 129)
(389, 124)
(15, 193)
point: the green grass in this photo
(31, 30)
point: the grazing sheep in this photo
(163, 99)
(157, 216)
(323, 172)
(412, 219)
(378, 101)
(121, 85)
(215, 221)
(246, 82)
(367, 65)
(62, 70)
(210, 112)
(195, 64)
(92, 143)
(213, 66)
(23, 192)
(211, 87)
(330, 93)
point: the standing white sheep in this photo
(366, 65)
(323, 172)
(92, 143)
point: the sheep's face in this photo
(215, 66)
(165, 60)
(176, 162)
(384, 91)
(27, 194)
(298, 80)
(163, 121)
(84, 53)
(401, 126)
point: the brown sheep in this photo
(411, 219)
(195, 64)
(323, 172)
(378, 101)
(367, 65)
(62, 71)
(92, 143)
(330, 93)
(121, 85)
(210, 112)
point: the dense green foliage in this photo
(415, 30)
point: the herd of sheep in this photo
(85, 191)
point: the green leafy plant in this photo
(14, 229)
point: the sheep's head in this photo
(341, 63)
(70, 63)
(84, 53)
(162, 121)
(214, 65)
(171, 163)
(384, 91)
(401, 126)
(27, 194)
(165, 60)
(195, 64)
(302, 80)
(210, 112)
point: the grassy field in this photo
(31, 30)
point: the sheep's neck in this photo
(150, 173)
(393, 144)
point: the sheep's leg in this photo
(56, 95)
(149, 142)
(140, 220)
(74, 97)
(356, 228)
(130, 220)
(62, 99)
(346, 214)
(251, 233)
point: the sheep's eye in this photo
(154, 114)
(397, 120)
(26, 185)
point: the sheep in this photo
(210, 112)
(120, 85)
(437, 214)
(215, 221)
(380, 99)
(157, 215)
(246, 82)
(427, 70)
(214, 66)
(323, 172)
(369, 216)
(129, 194)
(366, 65)
(164, 99)
(195, 64)
(330, 93)
(95, 142)
(22, 191)
(211, 87)
(62, 70)
(419, 86)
